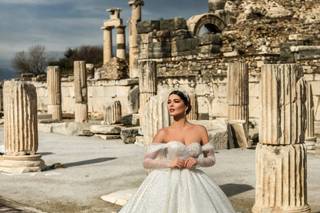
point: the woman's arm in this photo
(154, 149)
(208, 158)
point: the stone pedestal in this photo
(136, 6)
(281, 153)
(155, 117)
(80, 92)
(238, 98)
(54, 92)
(147, 82)
(20, 129)
(121, 42)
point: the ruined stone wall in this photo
(273, 32)
(100, 94)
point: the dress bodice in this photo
(176, 149)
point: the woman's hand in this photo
(177, 163)
(190, 163)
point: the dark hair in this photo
(184, 97)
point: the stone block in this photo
(128, 135)
(148, 26)
(105, 129)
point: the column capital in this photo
(136, 3)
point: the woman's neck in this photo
(179, 122)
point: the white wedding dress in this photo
(168, 190)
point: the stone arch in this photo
(212, 22)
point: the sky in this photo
(59, 24)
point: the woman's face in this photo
(176, 105)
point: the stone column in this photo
(112, 114)
(147, 82)
(193, 114)
(80, 91)
(238, 101)
(136, 6)
(107, 44)
(54, 92)
(281, 153)
(310, 138)
(121, 42)
(20, 129)
(155, 117)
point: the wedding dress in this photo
(167, 190)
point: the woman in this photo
(176, 185)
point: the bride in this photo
(176, 184)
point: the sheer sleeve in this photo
(208, 158)
(154, 157)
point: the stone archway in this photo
(208, 21)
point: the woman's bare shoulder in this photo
(199, 127)
(160, 136)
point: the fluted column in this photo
(121, 42)
(310, 138)
(80, 91)
(20, 128)
(155, 117)
(238, 101)
(136, 6)
(107, 44)
(112, 114)
(147, 83)
(281, 153)
(54, 92)
(193, 114)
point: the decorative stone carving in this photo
(112, 113)
(155, 117)
(54, 92)
(80, 91)
(238, 100)
(20, 129)
(147, 82)
(136, 6)
(281, 153)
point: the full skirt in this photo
(178, 191)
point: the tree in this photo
(90, 54)
(34, 61)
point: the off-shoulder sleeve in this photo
(208, 158)
(151, 160)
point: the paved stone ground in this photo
(93, 167)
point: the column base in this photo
(299, 209)
(55, 111)
(21, 164)
(81, 113)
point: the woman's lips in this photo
(171, 110)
